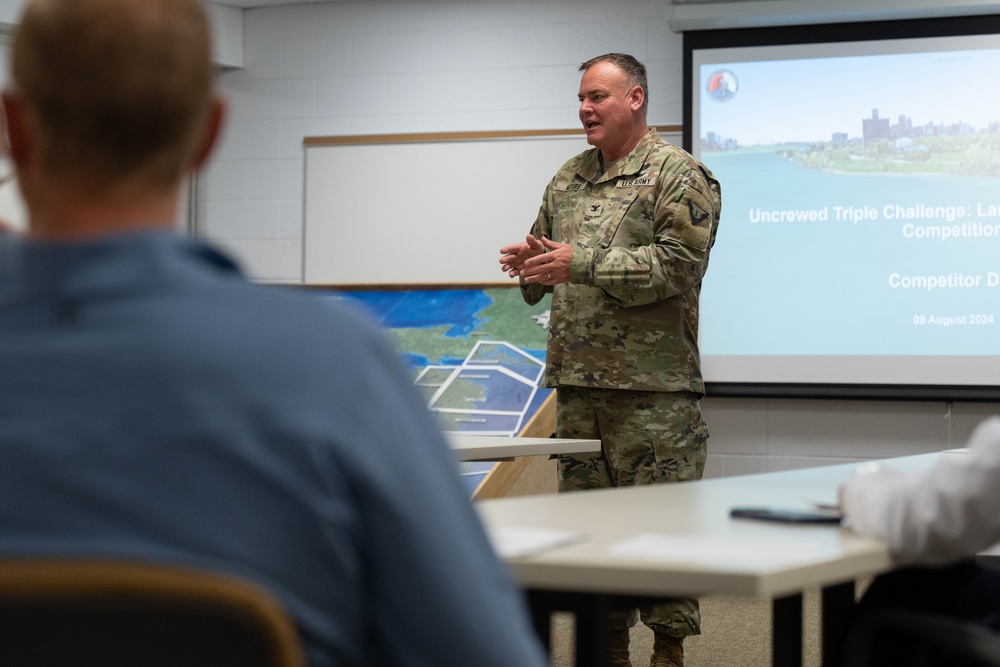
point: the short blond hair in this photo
(121, 88)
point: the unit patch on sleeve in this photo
(693, 221)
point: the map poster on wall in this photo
(477, 354)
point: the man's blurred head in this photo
(117, 92)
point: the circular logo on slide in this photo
(722, 85)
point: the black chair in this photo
(118, 614)
(954, 642)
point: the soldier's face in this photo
(606, 107)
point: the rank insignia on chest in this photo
(594, 209)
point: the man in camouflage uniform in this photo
(622, 241)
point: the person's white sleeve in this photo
(943, 514)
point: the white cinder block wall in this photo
(377, 67)
(393, 66)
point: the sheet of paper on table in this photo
(514, 542)
(681, 548)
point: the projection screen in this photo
(859, 249)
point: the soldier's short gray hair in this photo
(633, 69)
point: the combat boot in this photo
(618, 642)
(667, 651)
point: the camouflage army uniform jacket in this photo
(641, 236)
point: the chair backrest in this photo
(941, 640)
(69, 613)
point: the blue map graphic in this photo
(473, 381)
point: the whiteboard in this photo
(424, 209)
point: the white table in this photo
(472, 447)
(692, 548)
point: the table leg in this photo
(541, 605)
(592, 614)
(838, 605)
(786, 631)
(593, 628)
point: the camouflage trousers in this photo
(647, 438)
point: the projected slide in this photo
(861, 210)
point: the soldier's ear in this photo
(636, 98)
